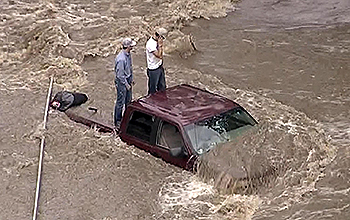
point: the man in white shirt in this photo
(155, 70)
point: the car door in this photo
(169, 137)
(140, 130)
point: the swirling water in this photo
(286, 62)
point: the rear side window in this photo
(140, 126)
(169, 136)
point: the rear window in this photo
(140, 126)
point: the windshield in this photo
(206, 134)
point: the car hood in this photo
(235, 164)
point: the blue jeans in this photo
(156, 80)
(124, 97)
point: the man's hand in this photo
(160, 42)
(128, 87)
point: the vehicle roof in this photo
(186, 104)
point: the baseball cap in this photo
(162, 32)
(127, 42)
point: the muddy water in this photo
(298, 55)
(286, 62)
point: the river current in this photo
(286, 62)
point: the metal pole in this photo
(41, 156)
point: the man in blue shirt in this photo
(123, 79)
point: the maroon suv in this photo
(182, 123)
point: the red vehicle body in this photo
(164, 123)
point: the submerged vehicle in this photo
(196, 130)
(179, 125)
(182, 123)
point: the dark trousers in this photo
(79, 98)
(124, 97)
(156, 80)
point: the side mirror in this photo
(176, 151)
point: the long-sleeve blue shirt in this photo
(123, 68)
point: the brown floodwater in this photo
(286, 62)
(298, 55)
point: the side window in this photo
(169, 136)
(140, 126)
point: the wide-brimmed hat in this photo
(127, 42)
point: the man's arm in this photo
(120, 73)
(159, 52)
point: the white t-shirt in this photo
(153, 62)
